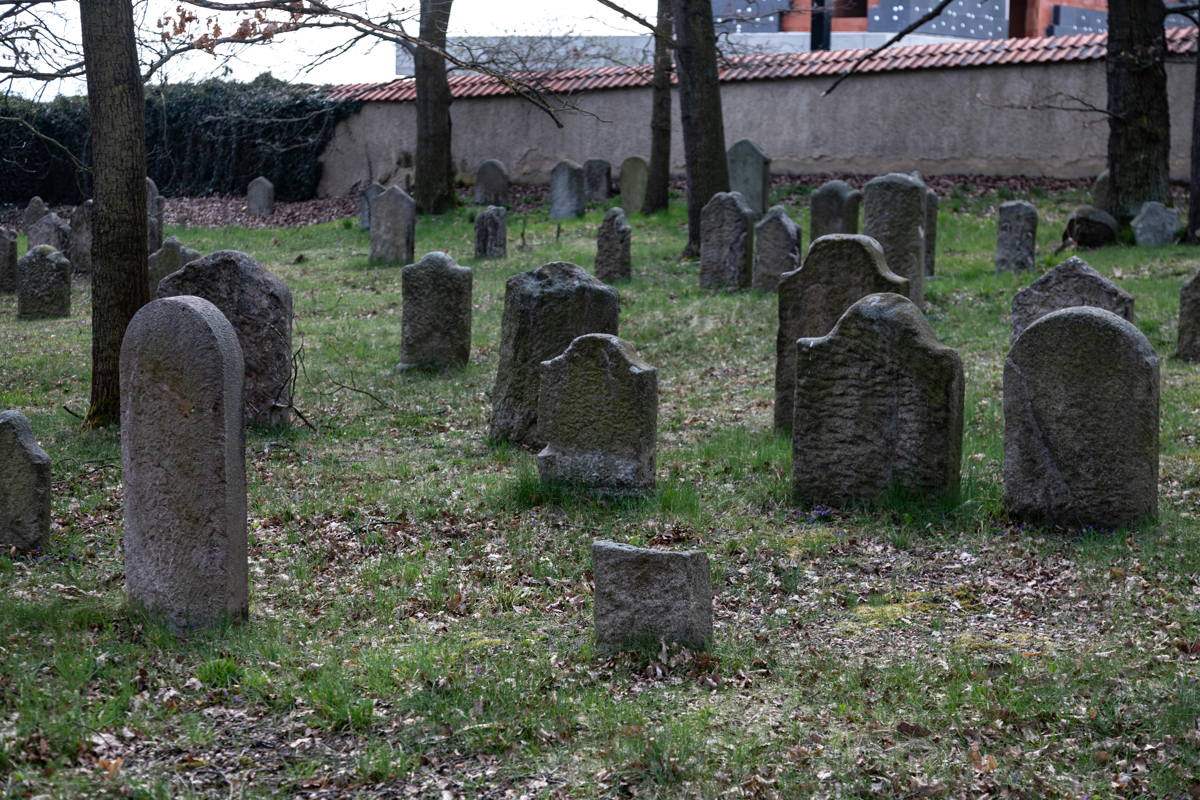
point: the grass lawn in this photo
(420, 620)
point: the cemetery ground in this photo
(420, 619)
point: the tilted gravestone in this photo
(597, 180)
(365, 199)
(436, 324)
(491, 184)
(635, 173)
(183, 460)
(1100, 190)
(1016, 236)
(8, 261)
(894, 216)
(24, 487)
(777, 242)
(1081, 421)
(834, 209)
(931, 219)
(167, 259)
(566, 190)
(598, 414)
(491, 233)
(726, 242)
(393, 227)
(878, 408)
(260, 197)
(52, 230)
(545, 309)
(840, 269)
(43, 284)
(33, 212)
(259, 306)
(1155, 225)
(646, 597)
(79, 251)
(613, 253)
(1189, 320)
(749, 174)
(1071, 283)
(1091, 227)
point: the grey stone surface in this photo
(1189, 320)
(566, 190)
(8, 261)
(51, 229)
(1071, 283)
(613, 247)
(43, 284)
(260, 197)
(24, 486)
(834, 209)
(1081, 421)
(749, 174)
(777, 243)
(878, 407)
(1091, 227)
(79, 250)
(726, 242)
(183, 457)
(436, 324)
(932, 202)
(545, 309)
(365, 198)
(635, 172)
(894, 216)
(1155, 225)
(1100, 190)
(155, 224)
(33, 212)
(598, 414)
(491, 232)
(167, 259)
(259, 306)
(491, 184)
(840, 270)
(1016, 236)
(643, 597)
(597, 180)
(393, 227)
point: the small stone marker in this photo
(1081, 421)
(1091, 227)
(1155, 225)
(597, 180)
(1100, 190)
(613, 256)
(167, 259)
(777, 242)
(598, 414)
(834, 209)
(1189, 320)
(566, 190)
(1071, 283)
(931, 218)
(878, 407)
(365, 199)
(894, 216)
(749, 174)
(1016, 236)
(51, 229)
(24, 487)
(635, 173)
(436, 326)
(79, 250)
(840, 270)
(643, 597)
(183, 455)
(260, 197)
(8, 261)
(33, 212)
(43, 284)
(726, 242)
(491, 184)
(393, 225)
(259, 306)
(491, 233)
(545, 309)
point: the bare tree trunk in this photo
(1193, 222)
(119, 258)
(658, 178)
(434, 163)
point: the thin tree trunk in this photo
(119, 257)
(658, 177)
(1193, 223)
(434, 162)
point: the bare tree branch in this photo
(929, 15)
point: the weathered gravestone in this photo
(79, 250)
(894, 216)
(52, 230)
(834, 209)
(777, 242)
(597, 179)
(1100, 190)
(598, 414)
(43, 284)
(33, 212)
(1155, 225)
(749, 174)
(566, 190)
(1091, 227)
(365, 199)
(1189, 320)
(545, 309)
(183, 456)
(8, 261)
(1081, 421)
(167, 259)
(436, 326)
(726, 242)
(393, 225)
(1016, 236)
(644, 597)
(259, 306)
(491, 184)
(24, 486)
(840, 269)
(155, 224)
(634, 175)
(931, 218)
(260, 197)
(878, 407)
(491, 233)
(1071, 283)
(613, 257)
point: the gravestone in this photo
(436, 327)
(24, 486)
(749, 174)
(598, 414)
(1081, 421)
(931, 218)
(1071, 283)
(840, 269)
(43, 284)
(1016, 236)
(365, 199)
(613, 257)
(878, 408)
(894, 216)
(155, 223)
(259, 306)
(566, 190)
(1189, 320)
(644, 597)
(777, 242)
(491, 184)
(545, 309)
(597, 180)
(33, 212)
(183, 456)
(1091, 227)
(1100, 190)
(726, 242)
(393, 225)
(834, 209)
(491, 233)
(260, 197)
(8, 261)
(635, 173)
(1155, 225)
(79, 251)
(167, 259)
(52, 230)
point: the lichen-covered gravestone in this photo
(894, 216)
(155, 225)
(43, 284)
(24, 486)
(79, 251)
(931, 218)
(776, 249)
(8, 261)
(167, 259)
(1071, 283)
(878, 408)
(491, 184)
(364, 205)
(1091, 227)
(259, 306)
(634, 175)
(834, 209)
(545, 309)
(1016, 236)
(33, 212)
(260, 197)
(393, 225)
(183, 460)
(1155, 225)
(613, 256)
(597, 180)
(644, 597)
(51, 229)
(749, 174)
(436, 327)
(840, 269)
(1189, 320)
(566, 190)
(598, 414)
(1081, 421)
(726, 242)
(491, 233)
